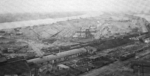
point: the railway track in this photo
(84, 65)
(112, 67)
(88, 62)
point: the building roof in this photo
(63, 66)
(57, 56)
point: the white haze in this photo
(21, 6)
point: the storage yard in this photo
(95, 46)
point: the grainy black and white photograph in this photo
(74, 37)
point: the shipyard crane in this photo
(105, 28)
(88, 32)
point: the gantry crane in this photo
(87, 32)
(105, 28)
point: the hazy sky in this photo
(21, 6)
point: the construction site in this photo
(94, 46)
